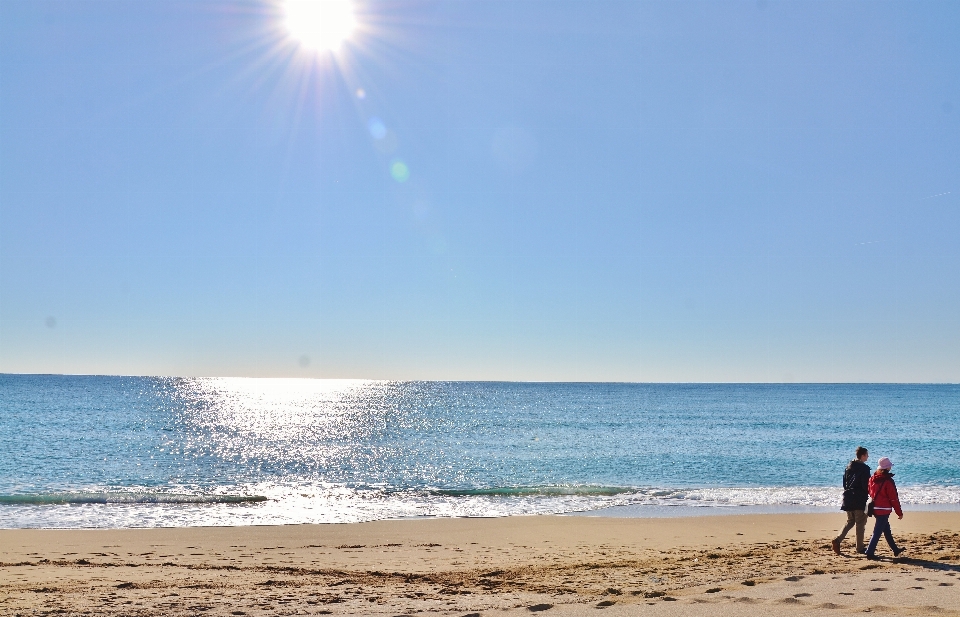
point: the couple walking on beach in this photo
(869, 495)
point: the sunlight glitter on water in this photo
(135, 451)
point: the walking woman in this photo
(885, 501)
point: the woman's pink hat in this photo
(885, 463)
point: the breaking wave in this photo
(278, 505)
(48, 499)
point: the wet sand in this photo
(551, 565)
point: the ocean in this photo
(101, 451)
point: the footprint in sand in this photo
(536, 608)
(606, 603)
(802, 595)
(879, 589)
(945, 585)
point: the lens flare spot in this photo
(361, 93)
(399, 171)
(377, 128)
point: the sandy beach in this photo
(727, 565)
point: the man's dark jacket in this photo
(855, 480)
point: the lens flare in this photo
(399, 171)
(377, 128)
(320, 24)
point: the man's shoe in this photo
(898, 552)
(861, 551)
(872, 557)
(836, 546)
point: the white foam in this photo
(339, 504)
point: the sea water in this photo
(95, 451)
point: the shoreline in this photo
(687, 511)
(481, 566)
(629, 511)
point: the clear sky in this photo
(521, 190)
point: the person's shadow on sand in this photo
(923, 563)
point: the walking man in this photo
(855, 481)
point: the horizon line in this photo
(517, 381)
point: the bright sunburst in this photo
(320, 24)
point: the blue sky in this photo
(612, 191)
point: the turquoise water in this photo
(93, 451)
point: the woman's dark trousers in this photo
(882, 526)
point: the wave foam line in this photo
(596, 496)
(48, 499)
(536, 491)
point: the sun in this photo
(319, 24)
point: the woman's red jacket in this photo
(884, 493)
